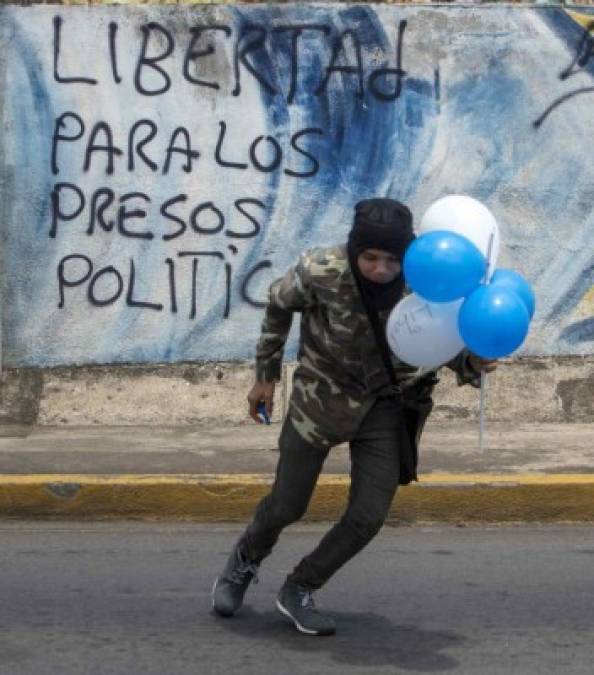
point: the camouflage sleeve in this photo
(465, 373)
(291, 293)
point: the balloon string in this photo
(483, 401)
(489, 252)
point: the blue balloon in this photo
(493, 321)
(443, 266)
(516, 282)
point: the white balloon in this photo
(423, 333)
(468, 217)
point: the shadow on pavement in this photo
(364, 639)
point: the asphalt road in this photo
(132, 598)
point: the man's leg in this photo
(374, 480)
(297, 472)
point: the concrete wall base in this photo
(547, 389)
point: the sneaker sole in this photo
(299, 627)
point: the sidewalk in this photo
(529, 473)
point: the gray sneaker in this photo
(297, 603)
(230, 587)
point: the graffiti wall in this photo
(160, 166)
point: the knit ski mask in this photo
(384, 224)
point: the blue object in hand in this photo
(262, 414)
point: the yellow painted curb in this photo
(233, 497)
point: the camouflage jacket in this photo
(340, 371)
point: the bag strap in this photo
(382, 345)
(380, 338)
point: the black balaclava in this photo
(384, 224)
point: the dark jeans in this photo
(374, 478)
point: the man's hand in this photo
(261, 391)
(478, 364)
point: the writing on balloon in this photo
(409, 321)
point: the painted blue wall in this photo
(260, 137)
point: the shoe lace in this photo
(307, 600)
(245, 567)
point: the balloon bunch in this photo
(459, 298)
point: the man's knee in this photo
(288, 511)
(366, 528)
(365, 523)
